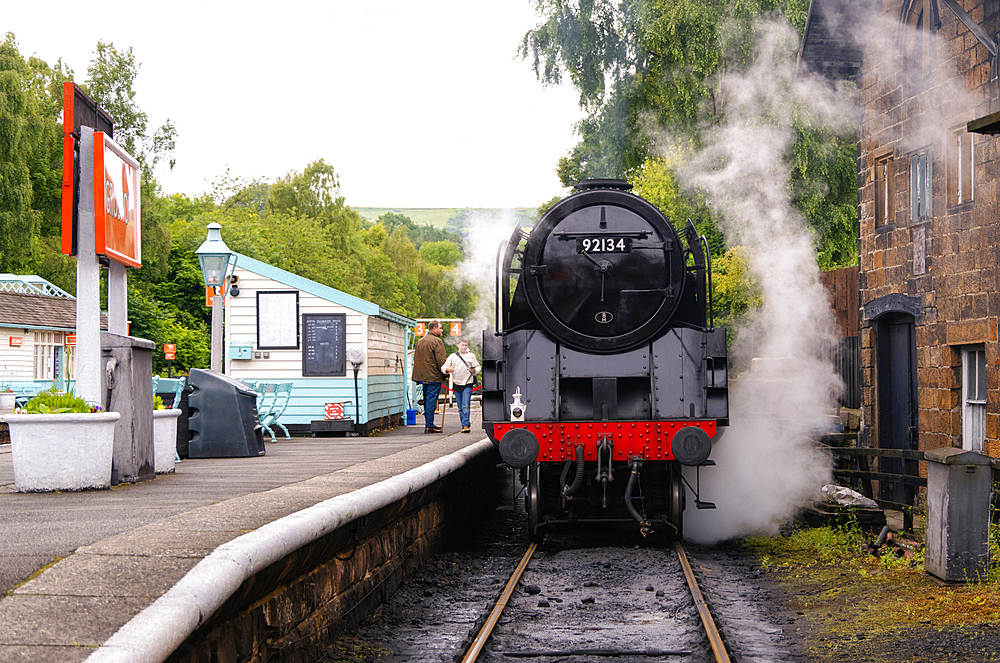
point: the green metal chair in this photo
(168, 386)
(281, 393)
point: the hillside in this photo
(437, 216)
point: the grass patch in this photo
(849, 604)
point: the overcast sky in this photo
(413, 104)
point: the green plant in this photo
(158, 403)
(52, 401)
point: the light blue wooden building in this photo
(281, 327)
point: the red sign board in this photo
(169, 351)
(70, 339)
(116, 202)
(334, 410)
(211, 292)
(16, 341)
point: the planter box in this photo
(164, 440)
(61, 451)
(7, 400)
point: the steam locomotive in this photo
(606, 373)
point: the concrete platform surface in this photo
(75, 567)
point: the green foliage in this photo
(651, 67)
(445, 253)
(18, 221)
(812, 545)
(657, 183)
(735, 290)
(111, 82)
(52, 401)
(158, 403)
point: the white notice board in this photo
(278, 320)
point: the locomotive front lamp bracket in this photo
(517, 407)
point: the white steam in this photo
(766, 462)
(486, 233)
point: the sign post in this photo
(169, 350)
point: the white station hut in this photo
(345, 357)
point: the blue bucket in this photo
(411, 417)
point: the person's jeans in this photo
(463, 395)
(431, 392)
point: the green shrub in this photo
(52, 401)
(158, 403)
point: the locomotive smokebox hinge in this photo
(537, 270)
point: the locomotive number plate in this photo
(604, 244)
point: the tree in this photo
(110, 81)
(444, 253)
(18, 221)
(646, 69)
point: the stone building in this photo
(927, 101)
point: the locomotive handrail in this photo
(708, 268)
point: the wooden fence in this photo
(854, 470)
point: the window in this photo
(883, 191)
(961, 182)
(920, 19)
(973, 397)
(45, 352)
(921, 177)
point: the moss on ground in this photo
(846, 604)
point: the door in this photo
(897, 396)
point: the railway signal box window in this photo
(961, 182)
(973, 397)
(883, 191)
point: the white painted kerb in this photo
(156, 632)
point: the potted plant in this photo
(164, 436)
(60, 442)
(7, 398)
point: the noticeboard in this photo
(324, 351)
(277, 319)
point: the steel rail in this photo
(714, 638)
(484, 633)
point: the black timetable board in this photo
(325, 348)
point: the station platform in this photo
(76, 567)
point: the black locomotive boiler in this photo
(606, 373)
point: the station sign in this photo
(16, 341)
(116, 202)
(420, 329)
(169, 351)
(455, 329)
(70, 339)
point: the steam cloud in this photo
(766, 463)
(486, 233)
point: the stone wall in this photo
(946, 262)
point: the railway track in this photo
(633, 619)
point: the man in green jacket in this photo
(428, 358)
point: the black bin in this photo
(223, 421)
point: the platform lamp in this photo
(214, 256)
(357, 357)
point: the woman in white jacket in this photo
(463, 368)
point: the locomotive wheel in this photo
(677, 499)
(533, 505)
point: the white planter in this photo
(164, 439)
(7, 400)
(62, 451)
